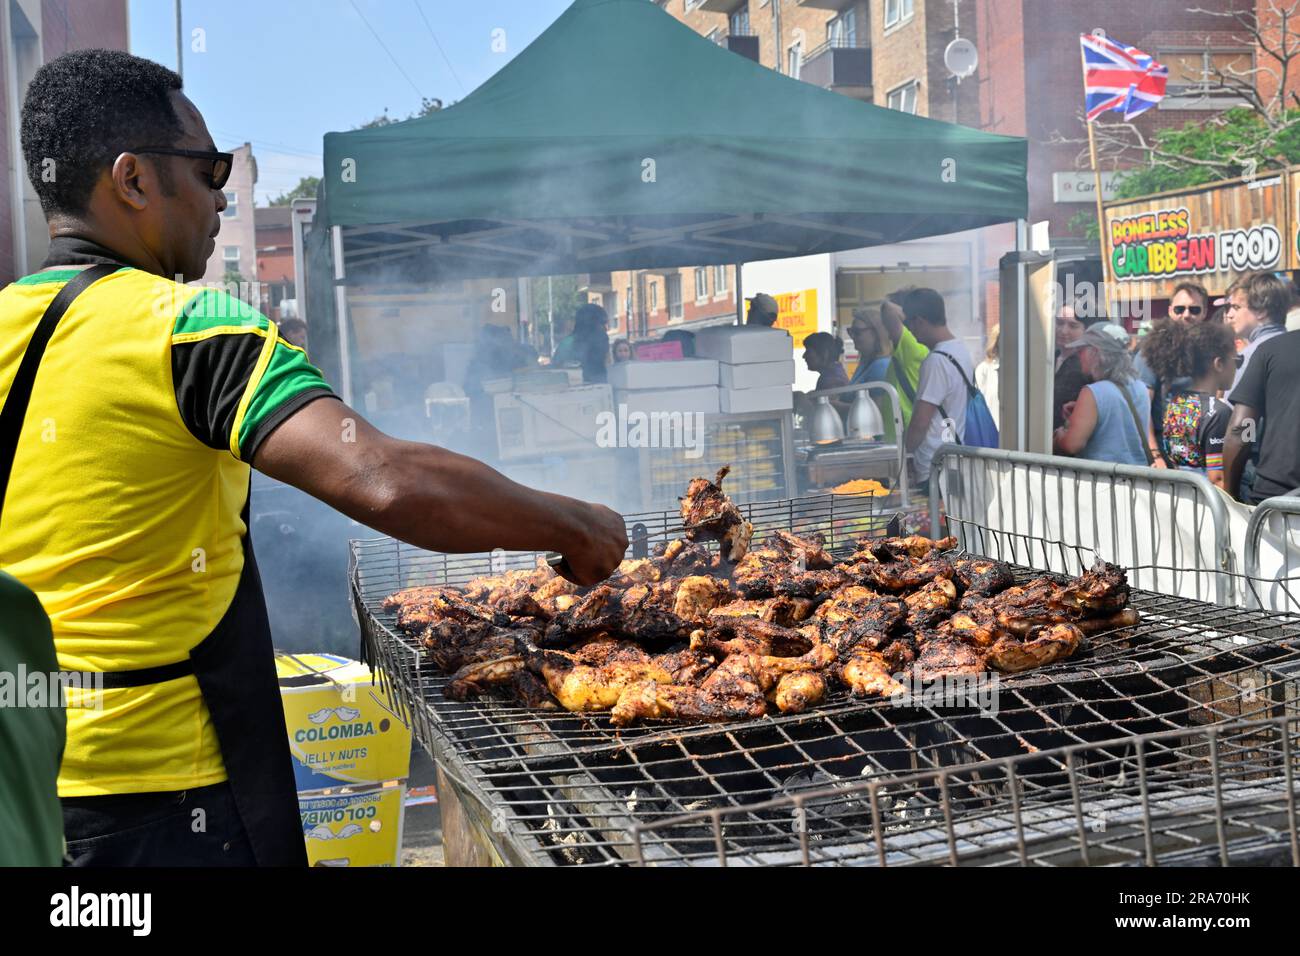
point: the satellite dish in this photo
(961, 58)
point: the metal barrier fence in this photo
(1168, 528)
(1272, 555)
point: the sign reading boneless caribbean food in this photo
(1212, 234)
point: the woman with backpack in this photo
(1109, 419)
(1201, 361)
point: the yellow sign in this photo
(798, 314)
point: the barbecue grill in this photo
(1164, 742)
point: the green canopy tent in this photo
(621, 139)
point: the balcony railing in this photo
(746, 44)
(838, 64)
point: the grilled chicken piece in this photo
(785, 611)
(899, 576)
(976, 627)
(809, 553)
(680, 558)
(531, 691)
(942, 654)
(708, 514)
(600, 609)
(913, 546)
(1102, 588)
(750, 635)
(1114, 622)
(695, 597)
(1043, 646)
(869, 673)
(798, 691)
(476, 678)
(856, 615)
(452, 646)
(443, 604)
(583, 687)
(416, 595)
(931, 604)
(635, 571)
(736, 689)
(979, 578)
(688, 703)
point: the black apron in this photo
(234, 664)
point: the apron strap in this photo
(141, 677)
(20, 392)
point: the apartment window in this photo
(896, 11)
(720, 281)
(611, 307)
(627, 304)
(675, 296)
(654, 294)
(701, 284)
(230, 255)
(843, 30)
(232, 204)
(738, 22)
(1198, 75)
(903, 98)
(794, 60)
(716, 36)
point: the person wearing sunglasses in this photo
(125, 473)
(1190, 303)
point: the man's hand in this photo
(594, 557)
(433, 498)
(891, 317)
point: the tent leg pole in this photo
(740, 298)
(1022, 358)
(341, 313)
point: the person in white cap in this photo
(1110, 419)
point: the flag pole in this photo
(1096, 174)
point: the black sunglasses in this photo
(221, 162)
(1189, 309)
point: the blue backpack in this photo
(980, 431)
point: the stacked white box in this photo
(755, 370)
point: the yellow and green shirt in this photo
(124, 509)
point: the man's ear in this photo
(133, 180)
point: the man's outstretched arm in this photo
(433, 498)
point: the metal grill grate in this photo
(564, 788)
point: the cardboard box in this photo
(756, 374)
(342, 730)
(702, 399)
(683, 373)
(734, 401)
(740, 344)
(354, 827)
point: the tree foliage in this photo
(306, 189)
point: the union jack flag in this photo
(1121, 78)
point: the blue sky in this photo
(282, 73)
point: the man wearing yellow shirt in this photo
(905, 363)
(132, 408)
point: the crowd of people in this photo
(1194, 393)
(1197, 392)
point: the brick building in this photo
(33, 32)
(1028, 83)
(275, 270)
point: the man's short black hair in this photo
(925, 304)
(83, 110)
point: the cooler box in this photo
(681, 373)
